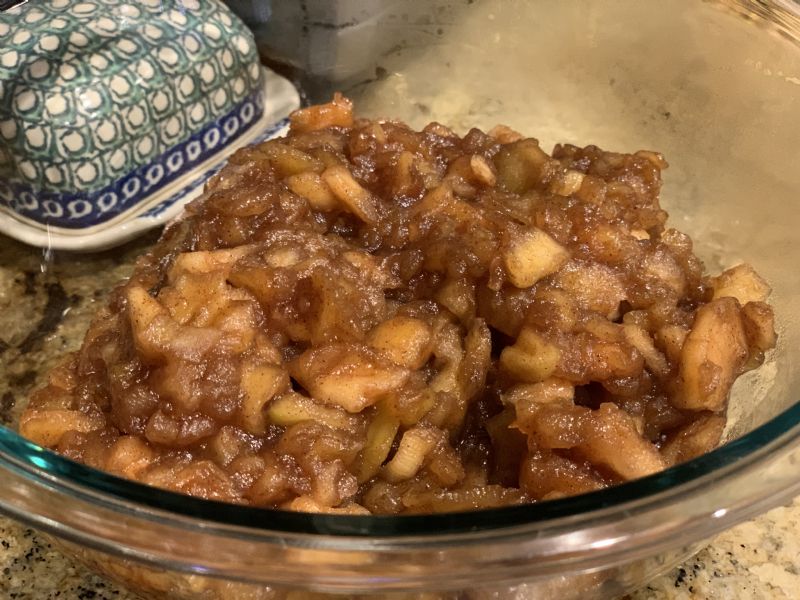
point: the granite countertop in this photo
(45, 304)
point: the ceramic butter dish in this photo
(113, 114)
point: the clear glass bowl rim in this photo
(760, 446)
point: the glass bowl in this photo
(715, 86)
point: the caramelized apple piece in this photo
(347, 375)
(712, 357)
(532, 255)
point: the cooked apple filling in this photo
(362, 318)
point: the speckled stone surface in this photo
(45, 303)
(758, 559)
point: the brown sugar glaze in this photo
(363, 318)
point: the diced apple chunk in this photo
(570, 184)
(404, 340)
(350, 193)
(338, 113)
(150, 322)
(611, 439)
(307, 504)
(741, 282)
(260, 383)
(641, 340)
(143, 308)
(287, 160)
(46, 427)
(531, 256)
(670, 339)
(458, 296)
(545, 392)
(348, 375)
(311, 187)
(206, 261)
(595, 287)
(712, 357)
(415, 445)
(522, 165)
(531, 359)
(699, 437)
(504, 134)
(292, 408)
(482, 171)
(129, 456)
(380, 437)
(759, 326)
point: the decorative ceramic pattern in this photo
(71, 210)
(103, 103)
(167, 204)
(176, 198)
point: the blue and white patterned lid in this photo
(112, 111)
